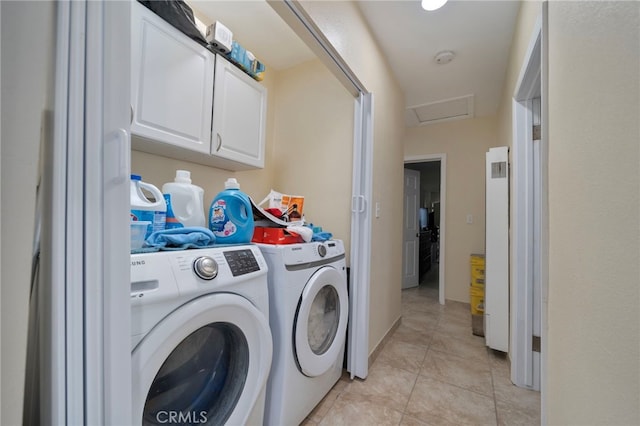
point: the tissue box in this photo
(220, 37)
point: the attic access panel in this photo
(445, 110)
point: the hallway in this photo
(432, 371)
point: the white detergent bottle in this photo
(186, 199)
(145, 209)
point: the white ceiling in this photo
(478, 32)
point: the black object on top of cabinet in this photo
(178, 14)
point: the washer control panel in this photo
(162, 276)
(241, 262)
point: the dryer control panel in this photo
(311, 255)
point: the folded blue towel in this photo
(318, 234)
(181, 238)
(321, 236)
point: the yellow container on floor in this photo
(477, 267)
(476, 295)
(477, 259)
(478, 282)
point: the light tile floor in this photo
(432, 371)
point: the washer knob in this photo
(205, 267)
(322, 250)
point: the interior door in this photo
(411, 235)
(78, 369)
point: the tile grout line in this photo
(493, 388)
(404, 410)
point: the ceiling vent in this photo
(435, 112)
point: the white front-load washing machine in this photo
(201, 343)
(308, 306)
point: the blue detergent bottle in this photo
(231, 215)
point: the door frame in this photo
(528, 367)
(443, 205)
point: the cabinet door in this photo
(239, 116)
(172, 85)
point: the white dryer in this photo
(201, 344)
(308, 305)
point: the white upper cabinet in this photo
(172, 84)
(239, 115)
(174, 101)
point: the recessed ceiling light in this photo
(431, 5)
(444, 57)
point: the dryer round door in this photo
(205, 363)
(321, 321)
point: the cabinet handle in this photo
(131, 119)
(219, 142)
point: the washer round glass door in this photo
(205, 363)
(321, 322)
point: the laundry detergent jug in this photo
(144, 209)
(186, 199)
(231, 215)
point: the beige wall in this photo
(594, 248)
(313, 152)
(465, 142)
(27, 70)
(344, 26)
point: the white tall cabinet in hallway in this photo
(497, 250)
